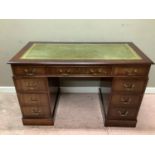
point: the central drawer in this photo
(84, 70)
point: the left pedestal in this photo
(37, 100)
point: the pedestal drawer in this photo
(32, 99)
(129, 85)
(35, 111)
(131, 70)
(125, 100)
(31, 84)
(122, 113)
(27, 70)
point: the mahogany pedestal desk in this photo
(121, 66)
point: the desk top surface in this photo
(79, 52)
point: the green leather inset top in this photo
(51, 51)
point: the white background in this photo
(72, 145)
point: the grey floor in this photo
(76, 114)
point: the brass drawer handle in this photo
(131, 71)
(60, 70)
(30, 72)
(135, 70)
(91, 71)
(36, 111)
(32, 85)
(123, 114)
(129, 86)
(68, 71)
(100, 70)
(64, 71)
(125, 100)
(26, 70)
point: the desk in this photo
(121, 66)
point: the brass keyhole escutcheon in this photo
(60, 70)
(36, 111)
(125, 100)
(100, 70)
(129, 86)
(91, 71)
(29, 71)
(123, 113)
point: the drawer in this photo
(31, 84)
(122, 113)
(33, 99)
(129, 85)
(125, 100)
(131, 70)
(35, 111)
(28, 70)
(93, 71)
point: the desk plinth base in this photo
(120, 123)
(41, 121)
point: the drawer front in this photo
(35, 111)
(129, 85)
(122, 113)
(131, 71)
(93, 71)
(33, 99)
(125, 100)
(31, 84)
(28, 70)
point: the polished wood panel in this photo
(131, 70)
(27, 70)
(125, 100)
(31, 84)
(129, 84)
(122, 113)
(35, 111)
(33, 99)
